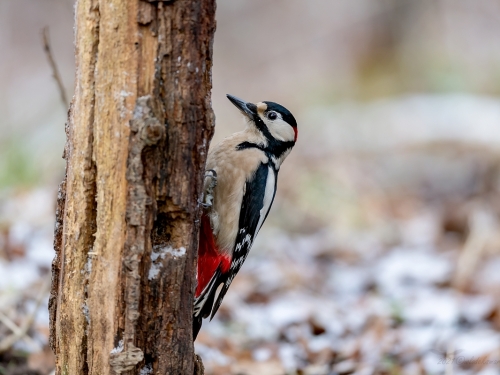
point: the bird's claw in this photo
(205, 205)
(208, 199)
(213, 178)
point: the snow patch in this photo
(262, 354)
(154, 271)
(86, 312)
(146, 370)
(17, 275)
(118, 349)
(404, 268)
(88, 265)
(212, 355)
(433, 307)
(124, 93)
(158, 253)
(477, 343)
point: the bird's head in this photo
(274, 121)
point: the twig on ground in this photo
(15, 328)
(20, 332)
(53, 65)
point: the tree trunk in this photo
(127, 217)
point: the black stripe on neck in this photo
(270, 155)
(245, 145)
(274, 147)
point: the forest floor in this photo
(379, 262)
(399, 275)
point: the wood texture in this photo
(128, 212)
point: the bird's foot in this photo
(212, 175)
(209, 191)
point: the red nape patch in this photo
(296, 133)
(209, 257)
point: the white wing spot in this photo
(247, 240)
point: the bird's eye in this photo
(272, 115)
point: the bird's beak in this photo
(248, 109)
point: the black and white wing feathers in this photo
(257, 200)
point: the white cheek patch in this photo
(281, 130)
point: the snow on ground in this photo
(26, 252)
(379, 263)
(396, 314)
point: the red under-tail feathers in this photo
(209, 258)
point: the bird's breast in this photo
(234, 168)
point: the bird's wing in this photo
(257, 200)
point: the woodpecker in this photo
(239, 189)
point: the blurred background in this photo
(381, 254)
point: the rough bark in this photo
(127, 215)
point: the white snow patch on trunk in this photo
(146, 370)
(158, 254)
(118, 349)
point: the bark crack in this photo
(74, 239)
(145, 131)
